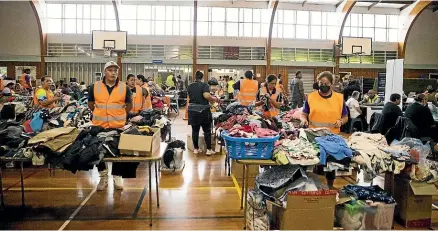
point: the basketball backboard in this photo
(357, 46)
(114, 40)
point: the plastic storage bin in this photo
(249, 148)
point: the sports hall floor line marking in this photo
(76, 211)
(349, 181)
(138, 218)
(126, 188)
(140, 201)
(236, 186)
(6, 189)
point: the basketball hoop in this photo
(107, 51)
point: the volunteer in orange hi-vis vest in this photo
(270, 106)
(247, 88)
(138, 94)
(325, 108)
(143, 83)
(25, 80)
(110, 100)
(44, 97)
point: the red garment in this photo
(27, 127)
(265, 132)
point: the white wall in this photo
(422, 44)
(19, 33)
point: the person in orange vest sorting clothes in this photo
(44, 97)
(25, 81)
(269, 97)
(247, 88)
(143, 83)
(110, 100)
(325, 108)
(138, 94)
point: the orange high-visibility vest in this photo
(148, 101)
(109, 110)
(137, 100)
(49, 95)
(23, 82)
(248, 91)
(325, 112)
(273, 111)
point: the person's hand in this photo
(338, 123)
(304, 123)
(56, 98)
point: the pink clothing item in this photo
(265, 132)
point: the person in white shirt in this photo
(353, 104)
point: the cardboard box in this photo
(414, 202)
(139, 145)
(306, 211)
(237, 170)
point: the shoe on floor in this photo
(196, 151)
(118, 182)
(210, 152)
(103, 183)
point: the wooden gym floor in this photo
(202, 197)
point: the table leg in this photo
(156, 184)
(22, 183)
(1, 187)
(245, 192)
(150, 193)
(243, 183)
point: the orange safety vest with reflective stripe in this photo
(137, 100)
(248, 91)
(325, 112)
(148, 101)
(109, 110)
(273, 111)
(23, 82)
(49, 95)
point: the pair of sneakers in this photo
(103, 183)
(208, 153)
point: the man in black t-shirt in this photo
(390, 113)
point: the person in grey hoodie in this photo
(297, 91)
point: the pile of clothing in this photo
(292, 117)
(377, 156)
(251, 131)
(297, 151)
(371, 209)
(153, 118)
(257, 217)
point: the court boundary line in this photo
(72, 216)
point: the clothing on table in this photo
(390, 113)
(297, 152)
(333, 145)
(264, 95)
(352, 104)
(311, 133)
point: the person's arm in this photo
(305, 114)
(91, 97)
(128, 99)
(301, 88)
(206, 94)
(277, 102)
(42, 98)
(236, 85)
(27, 78)
(344, 117)
(258, 102)
(357, 107)
(428, 117)
(378, 100)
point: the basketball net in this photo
(107, 51)
(358, 54)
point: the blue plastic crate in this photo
(249, 148)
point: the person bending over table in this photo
(422, 118)
(371, 98)
(199, 112)
(111, 101)
(269, 98)
(325, 108)
(391, 111)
